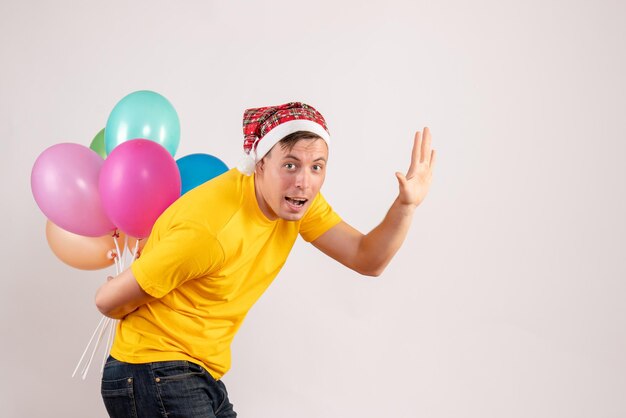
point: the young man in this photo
(213, 253)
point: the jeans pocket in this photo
(119, 397)
(183, 390)
(172, 370)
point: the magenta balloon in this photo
(138, 181)
(64, 182)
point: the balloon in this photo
(143, 114)
(97, 144)
(138, 181)
(196, 169)
(86, 253)
(132, 241)
(64, 182)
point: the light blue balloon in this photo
(196, 169)
(143, 114)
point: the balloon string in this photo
(118, 259)
(107, 322)
(107, 325)
(126, 250)
(88, 345)
(135, 253)
(107, 347)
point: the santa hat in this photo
(264, 127)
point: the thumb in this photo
(401, 178)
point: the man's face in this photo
(287, 181)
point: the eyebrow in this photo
(293, 157)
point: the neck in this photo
(260, 201)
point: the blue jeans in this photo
(172, 389)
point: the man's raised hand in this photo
(415, 184)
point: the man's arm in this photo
(121, 295)
(369, 254)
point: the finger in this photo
(401, 179)
(415, 154)
(426, 139)
(433, 158)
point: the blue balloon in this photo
(196, 169)
(143, 114)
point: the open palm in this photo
(415, 184)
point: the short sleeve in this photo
(184, 252)
(318, 219)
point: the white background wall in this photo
(507, 299)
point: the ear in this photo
(260, 166)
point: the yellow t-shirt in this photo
(209, 258)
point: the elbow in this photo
(108, 308)
(103, 305)
(373, 273)
(370, 271)
(368, 264)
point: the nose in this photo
(303, 180)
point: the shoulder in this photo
(210, 204)
(319, 218)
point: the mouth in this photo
(296, 202)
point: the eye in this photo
(318, 167)
(289, 166)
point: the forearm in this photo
(369, 254)
(377, 248)
(113, 311)
(120, 296)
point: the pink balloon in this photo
(64, 182)
(138, 181)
